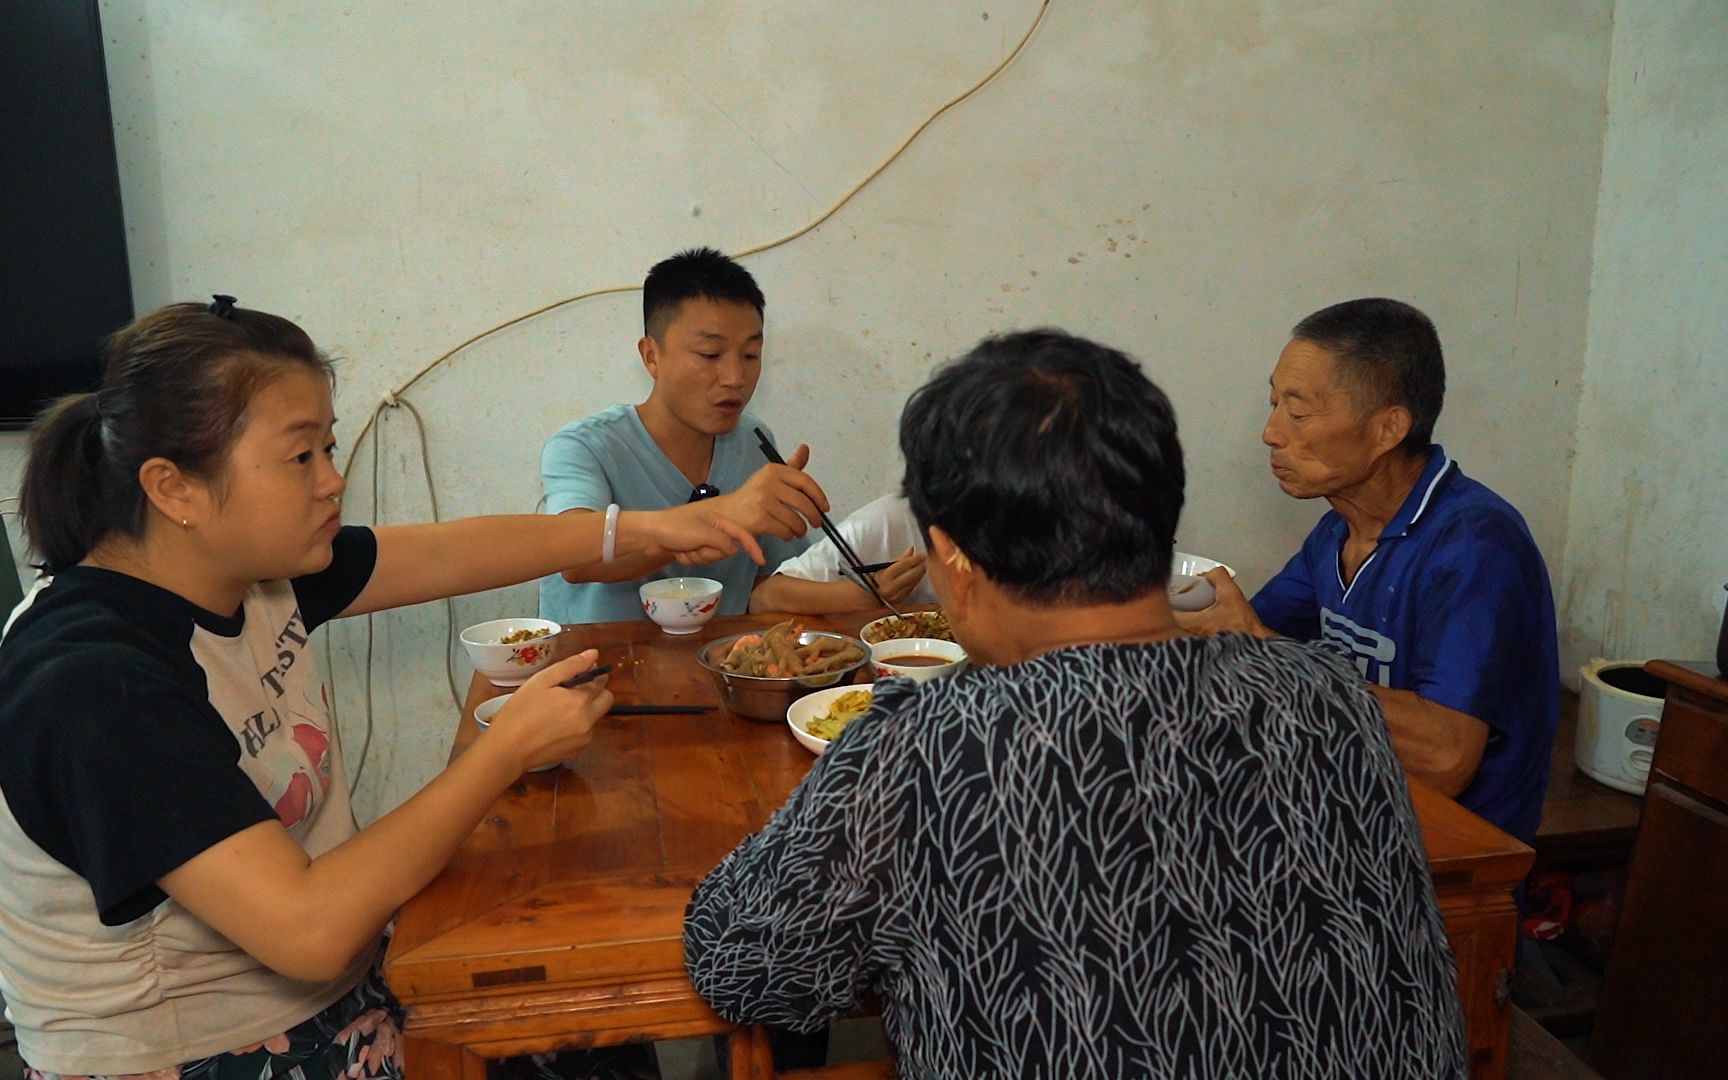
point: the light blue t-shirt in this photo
(610, 458)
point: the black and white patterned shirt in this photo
(1188, 859)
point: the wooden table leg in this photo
(751, 1052)
(426, 1059)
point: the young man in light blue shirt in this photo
(690, 440)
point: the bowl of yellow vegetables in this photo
(817, 719)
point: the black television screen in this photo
(64, 282)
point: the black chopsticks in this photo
(853, 562)
(633, 710)
(586, 677)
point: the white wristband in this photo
(609, 545)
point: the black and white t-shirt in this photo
(1194, 858)
(136, 731)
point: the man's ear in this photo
(649, 350)
(1389, 426)
(182, 499)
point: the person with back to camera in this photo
(1113, 849)
(1424, 578)
(183, 891)
(690, 440)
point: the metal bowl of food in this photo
(760, 673)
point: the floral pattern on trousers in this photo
(357, 1038)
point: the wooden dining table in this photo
(559, 922)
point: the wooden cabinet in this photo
(1475, 867)
(1664, 1008)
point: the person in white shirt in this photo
(879, 531)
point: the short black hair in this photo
(697, 274)
(1053, 463)
(1390, 353)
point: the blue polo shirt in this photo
(1454, 604)
(610, 458)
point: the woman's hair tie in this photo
(221, 306)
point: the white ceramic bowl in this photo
(680, 605)
(869, 629)
(808, 708)
(1188, 590)
(510, 665)
(919, 659)
(486, 710)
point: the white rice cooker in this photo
(1619, 715)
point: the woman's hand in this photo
(256, 886)
(544, 722)
(692, 534)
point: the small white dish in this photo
(808, 708)
(680, 605)
(486, 710)
(918, 659)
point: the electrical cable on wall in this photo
(394, 398)
(745, 253)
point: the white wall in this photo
(1647, 547)
(1184, 180)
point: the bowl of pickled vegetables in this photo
(760, 673)
(508, 651)
(817, 719)
(914, 624)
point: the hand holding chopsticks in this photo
(586, 677)
(854, 566)
(868, 583)
(775, 501)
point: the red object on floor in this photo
(1550, 905)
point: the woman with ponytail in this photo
(183, 892)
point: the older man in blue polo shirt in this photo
(1425, 578)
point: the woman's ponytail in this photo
(67, 503)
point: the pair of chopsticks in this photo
(632, 710)
(854, 568)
